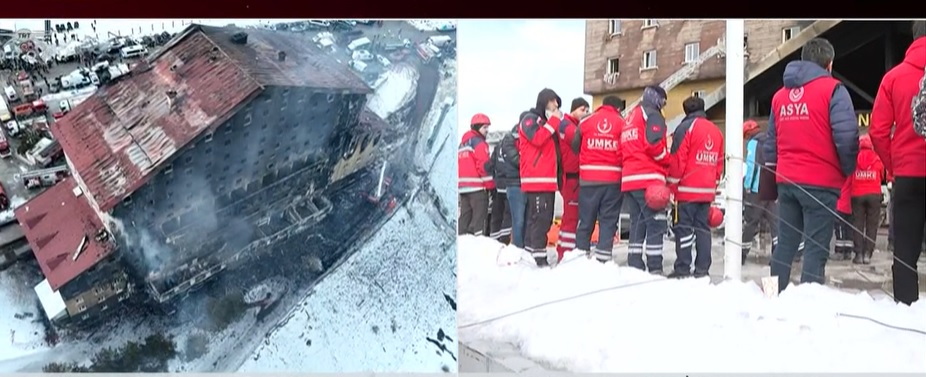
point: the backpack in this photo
(919, 109)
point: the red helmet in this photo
(479, 119)
(657, 197)
(750, 127)
(714, 217)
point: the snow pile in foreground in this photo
(376, 311)
(19, 319)
(394, 90)
(8, 214)
(432, 25)
(678, 325)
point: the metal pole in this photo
(736, 74)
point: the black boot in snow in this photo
(867, 258)
(859, 258)
(679, 275)
(745, 253)
(542, 262)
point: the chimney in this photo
(281, 56)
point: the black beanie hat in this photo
(577, 103)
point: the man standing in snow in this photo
(570, 190)
(541, 172)
(697, 164)
(597, 143)
(509, 161)
(812, 145)
(645, 159)
(903, 153)
(474, 180)
(500, 216)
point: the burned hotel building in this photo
(209, 151)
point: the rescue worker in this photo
(570, 189)
(504, 175)
(517, 203)
(842, 228)
(866, 201)
(541, 173)
(474, 179)
(645, 159)
(755, 210)
(597, 143)
(812, 148)
(697, 165)
(903, 153)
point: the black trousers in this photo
(845, 240)
(910, 201)
(540, 207)
(500, 218)
(692, 231)
(474, 207)
(754, 212)
(601, 204)
(866, 217)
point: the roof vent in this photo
(281, 56)
(240, 38)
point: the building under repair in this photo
(212, 149)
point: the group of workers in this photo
(596, 161)
(811, 174)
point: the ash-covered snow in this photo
(432, 25)
(376, 310)
(677, 325)
(394, 89)
(20, 332)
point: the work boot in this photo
(859, 258)
(700, 274)
(542, 262)
(867, 258)
(679, 275)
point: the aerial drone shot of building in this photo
(203, 188)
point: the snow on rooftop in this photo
(376, 310)
(396, 88)
(431, 25)
(51, 301)
(677, 325)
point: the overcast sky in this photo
(503, 64)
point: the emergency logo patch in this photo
(796, 94)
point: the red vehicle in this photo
(23, 111)
(5, 150)
(39, 106)
(4, 201)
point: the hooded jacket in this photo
(870, 171)
(538, 146)
(643, 145)
(507, 161)
(904, 153)
(812, 131)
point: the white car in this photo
(362, 55)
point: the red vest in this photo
(600, 152)
(698, 163)
(868, 174)
(567, 131)
(641, 169)
(806, 152)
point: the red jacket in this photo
(598, 141)
(696, 159)
(538, 143)
(869, 173)
(567, 132)
(844, 204)
(472, 157)
(803, 133)
(643, 147)
(904, 153)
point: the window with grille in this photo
(614, 66)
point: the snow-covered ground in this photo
(583, 316)
(131, 27)
(15, 202)
(440, 125)
(18, 315)
(395, 88)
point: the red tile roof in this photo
(54, 223)
(118, 137)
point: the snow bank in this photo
(432, 25)
(15, 202)
(394, 90)
(374, 313)
(677, 325)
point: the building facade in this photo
(622, 56)
(213, 147)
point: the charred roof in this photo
(122, 134)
